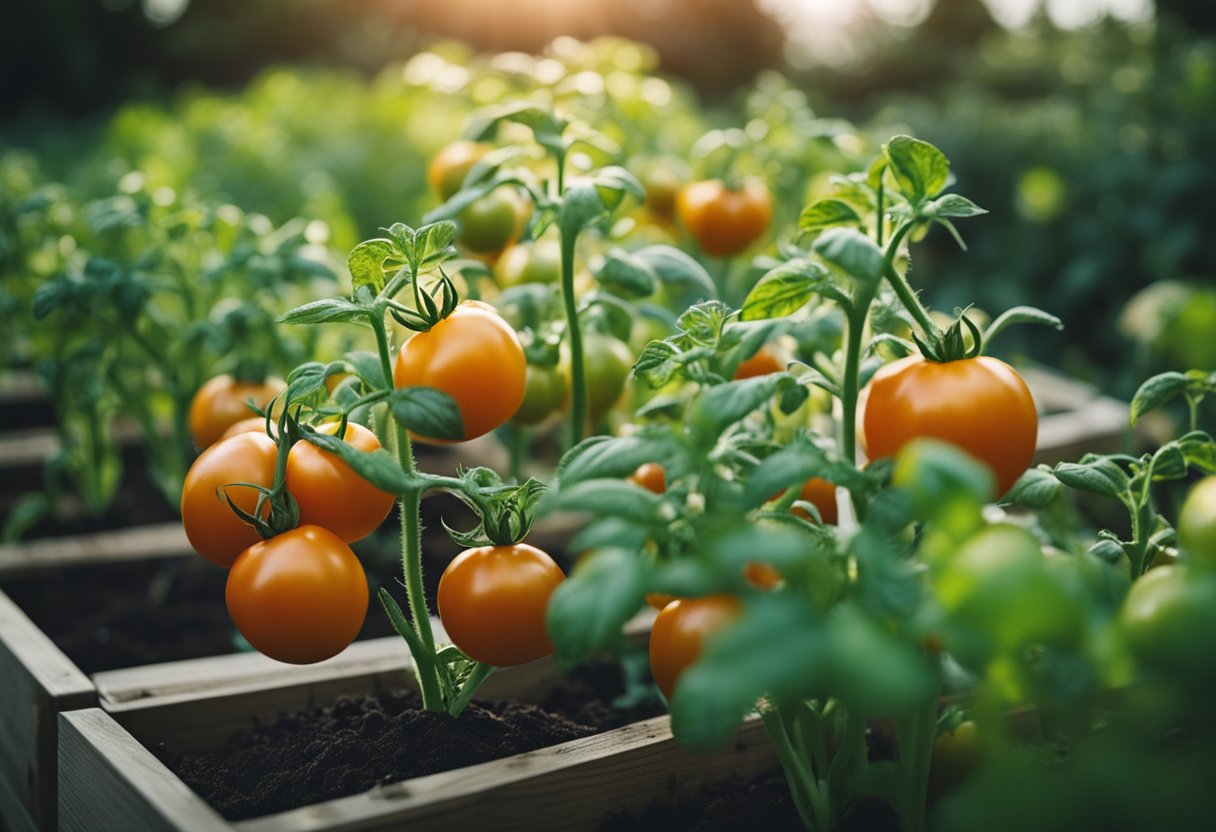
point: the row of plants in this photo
(841, 601)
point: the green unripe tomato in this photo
(1169, 622)
(544, 392)
(493, 222)
(608, 363)
(1197, 523)
(539, 262)
(1000, 594)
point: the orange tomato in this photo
(724, 222)
(329, 492)
(650, 476)
(761, 364)
(679, 633)
(822, 495)
(223, 401)
(212, 528)
(449, 167)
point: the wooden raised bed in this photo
(110, 780)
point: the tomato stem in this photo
(578, 371)
(808, 798)
(916, 731)
(851, 389)
(903, 289)
(480, 673)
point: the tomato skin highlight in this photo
(492, 602)
(475, 357)
(724, 222)
(221, 403)
(329, 492)
(679, 633)
(979, 404)
(299, 597)
(211, 526)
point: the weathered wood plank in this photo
(568, 787)
(108, 781)
(132, 544)
(37, 682)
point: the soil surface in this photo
(360, 742)
(109, 616)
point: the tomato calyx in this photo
(276, 511)
(430, 305)
(505, 512)
(953, 343)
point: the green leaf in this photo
(1199, 450)
(327, 310)
(607, 533)
(1019, 315)
(613, 182)
(704, 322)
(952, 205)
(792, 465)
(602, 457)
(433, 244)
(427, 411)
(611, 497)
(366, 263)
(51, 294)
(676, 268)
(546, 127)
(719, 407)
(945, 482)
(853, 253)
(826, 213)
(582, 204)
(658, 363)
(776, 648)
(588, 610)
(377, 467)
(920, 169)
(871, 671)
(1097, 476)
(784, 290)
(734, 545)
(1156, 392)
(627, 275)
(368, 368)
(1037, 488)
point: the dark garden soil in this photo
(360, 742)
(105, 617)
(762, 803)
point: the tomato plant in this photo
(680, 631)
(725, 221)
(608, 363)
(299, 597)
(212, 528)
(473, 356)
(328, 491)
(979, 404)
(492, 602)
(223, 401)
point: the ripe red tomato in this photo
(492, 603)
(298, 597)
(679, 632)
(329, 492)
(474, 357)
(724, 222)
(451, 165)
(212, 528)
(762, 363)
(650, 476)
(493, 222)
(223, 401)
(979, 404)
(822, 495)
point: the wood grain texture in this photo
(108, 782)
(37, 681)
(1076, 418)
(132, 544)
